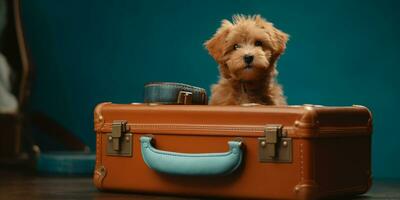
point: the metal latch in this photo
(185, 98)
(275, 146)
(119, 140)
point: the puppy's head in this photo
(247, 48)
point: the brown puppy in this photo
(247, 51)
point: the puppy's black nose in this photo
(248, 58)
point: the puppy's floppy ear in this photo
(277, 37)
(281, 39)
(215, 45)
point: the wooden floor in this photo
(15, 185)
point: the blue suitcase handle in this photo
(202, 164)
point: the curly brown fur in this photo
(251, 79)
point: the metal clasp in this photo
(118, 127)
(119, 140)
(185, 98)
(272, 132)
(274, 146)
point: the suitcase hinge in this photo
(119, 140)
(275, 146)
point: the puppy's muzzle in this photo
(248, 58)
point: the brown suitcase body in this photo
(291, 152)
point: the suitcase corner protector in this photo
(98, 117)
(99, 173)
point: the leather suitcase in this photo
(261, 152)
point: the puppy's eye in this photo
(236, 46)
(258, 43)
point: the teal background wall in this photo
(340, 53)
